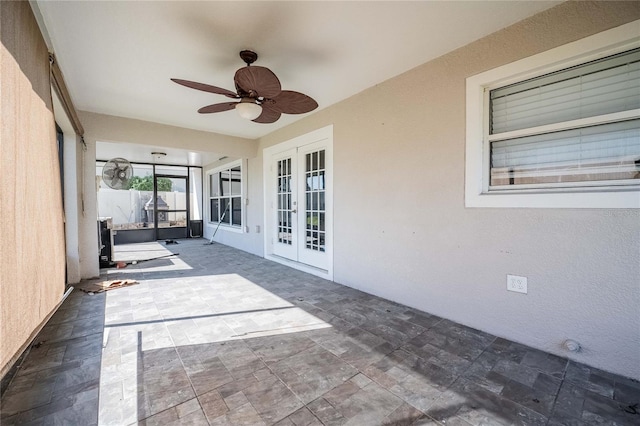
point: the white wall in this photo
(249, 238)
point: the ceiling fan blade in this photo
(225, 106)
(260, 80)
(205, 87)
(290, 102)
(268, 115)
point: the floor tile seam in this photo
(62, 363)
(31, 408)
(531, 410)
(486, 348)
(463, 377)
(67, 339)
(25, 371)
(429, 327)
(555, 399)
(68, 320)
(304, 404)
(383, 387)
(184, 368)
(265, 363)
(428, 417)
(52, 400)
(173, 407)
(400, 396)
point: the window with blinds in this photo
(575, 127)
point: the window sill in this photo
(561, 199)
(223, 227)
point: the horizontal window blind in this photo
(590, 154)
(596, 88)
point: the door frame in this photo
(324, 135)
(156, 229)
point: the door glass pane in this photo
(315, 201)
(171, 202)
(285, 227)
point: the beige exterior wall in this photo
(32, 251)
(402, 230)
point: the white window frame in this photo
(477, 160)
(224, 226)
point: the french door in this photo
(300, 208)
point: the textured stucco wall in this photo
(32, 253)
(402, 230)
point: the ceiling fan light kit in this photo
(261, 98)
(248, 109)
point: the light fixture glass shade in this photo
(249, 110)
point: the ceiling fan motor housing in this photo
(248, 56)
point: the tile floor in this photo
(217, 336)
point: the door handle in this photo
(294, 211)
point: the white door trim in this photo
(324, 135)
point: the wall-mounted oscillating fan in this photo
(117, 172)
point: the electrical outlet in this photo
(517, 284)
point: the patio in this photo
(219, 336)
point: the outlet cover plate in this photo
(517, 284)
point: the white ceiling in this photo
(137, 153)
(118, 57)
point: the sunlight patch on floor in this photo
(167, 313)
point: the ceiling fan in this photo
(261, 98)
